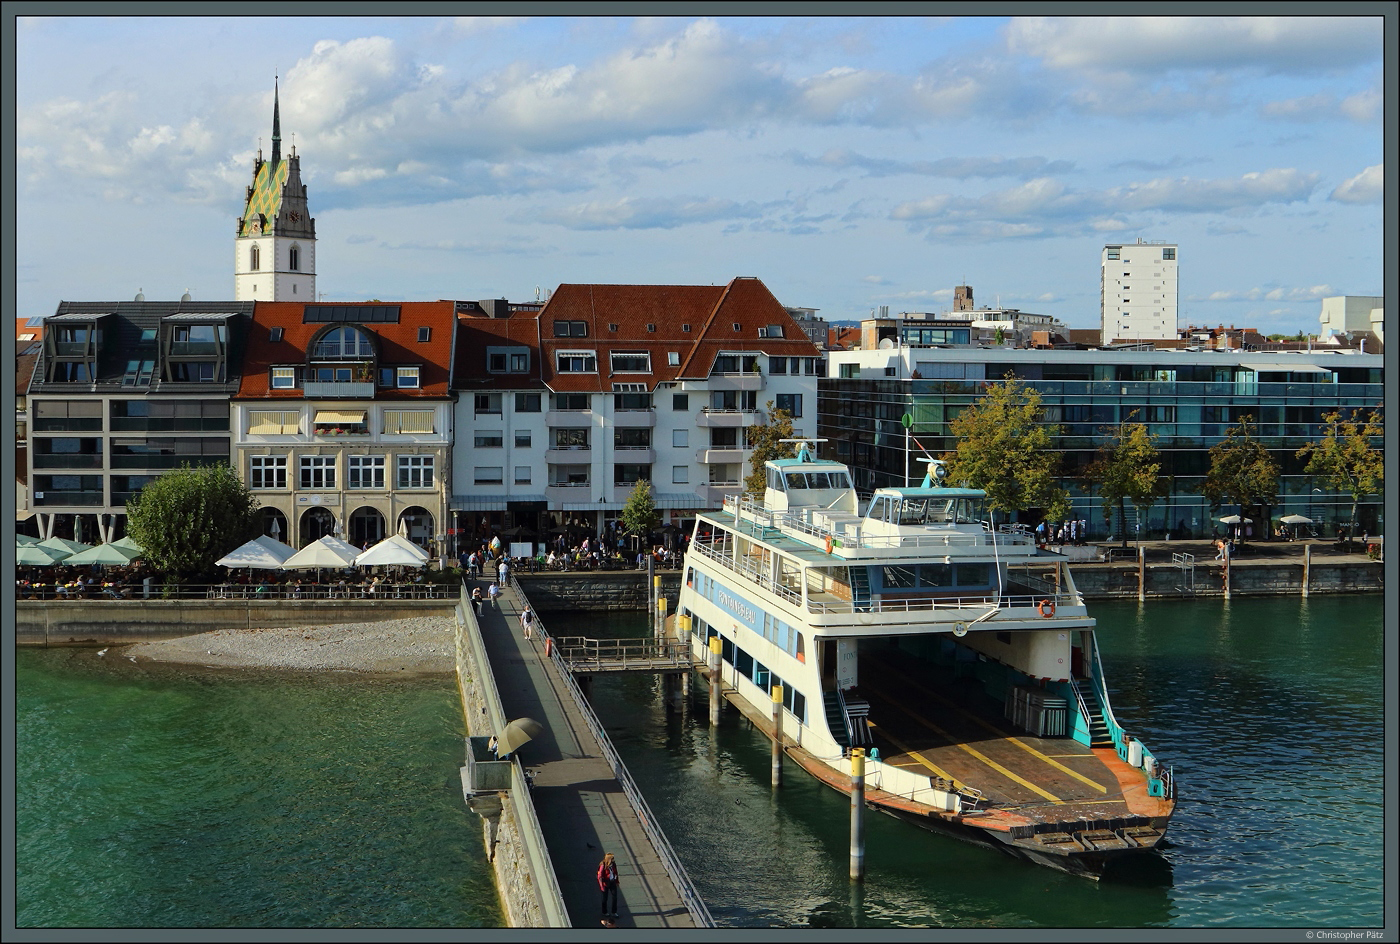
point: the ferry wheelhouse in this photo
(957, 655)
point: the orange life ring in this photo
(1046, 608)
(828, 544)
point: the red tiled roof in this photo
(476, 332)
(694, 321)
(398, 344)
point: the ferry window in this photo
(775, 480)
(818, 480)
(761, 676)
(726, 651)
(936, 575)
(743, 663)
(879, 509)
(796, 480)
(975, 575)
(839, 480)
(899, 577)
(799, 707)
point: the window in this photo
(138, 373)
(522, 440)
(486, 474)
(317, 472)
(424, 335)
(571, 401)
(1168, 255)
(398, 422)
(571, 329)
(680, 475)
(406, 377)
(673, 358)
(680, 401)
(274, 335)
(417, 472)
(576, 362)
(267, 472)
(685, 329)
(792, 402)
(386, 377)
(254, 260)
(364, 472)
(612, 328)
(527, 403)
(519, 363)
(273, 422)
(777, 365)
(631, 401)
(571, 437)
(294, 259)
(631, 362)
(489, 440)
(1113, 252)
(522, 475)
(850, 371)
(629, 474)
(632, 438)
(345, 342)
(502, 360)
(488, 404)
(724, 439)
(680, 438)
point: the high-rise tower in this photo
(274, 256)
(1138, 291)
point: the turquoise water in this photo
(153, 796)
(161, 797)
(1270, 710)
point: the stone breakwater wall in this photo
(117, 622)
(594, 591)
(1271, 578)
(513, 840)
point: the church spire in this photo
(276, 126)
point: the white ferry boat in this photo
(960, 657)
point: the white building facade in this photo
(1138, 291)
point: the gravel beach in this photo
(420, 645)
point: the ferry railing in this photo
(623, 654)
(669, 860)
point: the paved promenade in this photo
(582, 809)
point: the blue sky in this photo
(849, 163)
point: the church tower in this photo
(274, 256)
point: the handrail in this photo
(669, 860)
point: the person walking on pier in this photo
(527, 623)
(503, 571)
(607, 884)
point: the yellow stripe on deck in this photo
(1014, 740)
(980, 756)
(918, 757)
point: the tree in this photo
(765, 439)
(639, 515)
(190, 517)
(1004, 448)
(1345, 460)
(1128, 467)
(1242, 473)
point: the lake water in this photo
(152, 796)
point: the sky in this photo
(849, 163)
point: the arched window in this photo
(294, 258)
(342, 342)
(253, 257)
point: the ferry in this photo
(957, 657)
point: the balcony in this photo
(634, 455)
(51, 497)
(710, 418)
(736, 382)
(719, 456)
(72, 348)
(67, 424)
(193, 348)
(163, 461)
(713, 494)
(361, 390)
(568, 492)
(634, 419)
(568, 417)
(67, 460)
(170, 424)
(568, 455)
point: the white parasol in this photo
(328, 551)
(261, 553)
(395, 549)
(1296, 519)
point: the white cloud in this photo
(958, 168)
(1366, 187)
(648, 213)
(1303, 293)
(1363, 107)
(1158, 44)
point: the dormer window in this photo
(424, 335)
(274, 335)
(341, 343)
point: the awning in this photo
(331, 416)
(1286, 368)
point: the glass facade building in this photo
(1188, 399)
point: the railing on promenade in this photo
(116, 592)
(669, 860)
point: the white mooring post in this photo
(715, 649)
(857, 814)
(1307, 567)
(1142, 573)
(777, 735)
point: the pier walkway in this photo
(583, 807)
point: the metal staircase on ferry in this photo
(860, 589)
(1099, 734)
